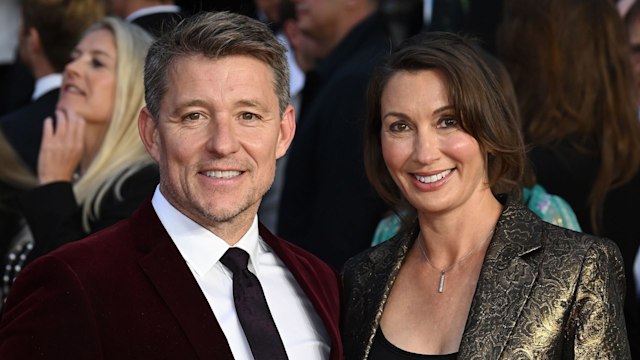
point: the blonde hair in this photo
(121, 153)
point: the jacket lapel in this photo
(505, 281)
(167, 270)
(382, 268)
(323, 296)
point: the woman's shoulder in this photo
(380, 258)
(580, 250)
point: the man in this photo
(155, 16)
(165, 283)
(327, 204)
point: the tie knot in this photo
(235, 259)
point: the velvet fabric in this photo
(127, 293)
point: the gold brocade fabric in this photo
(543, 293)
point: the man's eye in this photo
(248, 116)
(193, 116)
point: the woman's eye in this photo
(398, 127)
(96, 63)
(448, 122)
(193, 116)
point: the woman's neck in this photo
(449, 236)
(94, 135)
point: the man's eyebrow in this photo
(253, 103)
(189, 103)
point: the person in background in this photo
(279, 16)
(93, 170)
(9, 26)
(191, 274)
(327, 205)
(578, 104)
(632, 21)
(48, 32)
(476, 274)
(49, 29)
(155, 16)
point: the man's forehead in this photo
(236, 81)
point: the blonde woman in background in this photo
(93, 170)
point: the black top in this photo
(382, 349)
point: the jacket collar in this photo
(169, 273)
(506, 278)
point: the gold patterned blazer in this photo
(544, 292)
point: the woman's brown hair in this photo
(569, 63)
(476, 96)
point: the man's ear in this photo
(287, 131)
(148, 129)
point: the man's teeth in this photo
(433, 178)
(222, 174)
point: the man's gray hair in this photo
(214, 35)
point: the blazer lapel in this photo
(366, 304)
(171, 276)
(505, 282)
(324, 298)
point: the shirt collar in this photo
(152, 10)
(46, 84)
(200, 248)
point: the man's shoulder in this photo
(105, 250)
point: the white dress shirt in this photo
(46, 84)
(302, 331)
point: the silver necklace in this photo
(423, 251)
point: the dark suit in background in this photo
(327, 205)
(23, 127)
(67, 297)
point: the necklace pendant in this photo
(441, 283)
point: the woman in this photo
(580, 116)
(476, 274)
(93, 169)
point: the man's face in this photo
(217, 138)
(317, 18)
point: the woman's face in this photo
(89, 83)
(438, 166)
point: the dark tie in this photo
(252, 309)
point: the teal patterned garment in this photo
(550, 208)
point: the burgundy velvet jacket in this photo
(127, 293)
